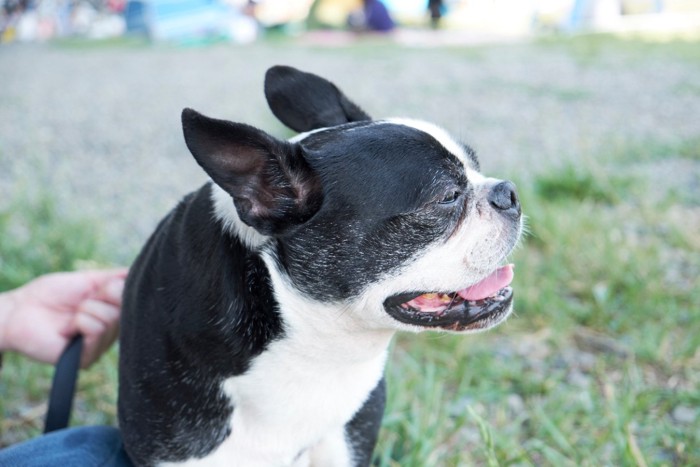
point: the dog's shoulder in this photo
(195, 294)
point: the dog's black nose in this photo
(504, 198)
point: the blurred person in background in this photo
(372, 17)
(435, 8)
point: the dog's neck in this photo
(328, 331)
(333, 327)
(326, 361)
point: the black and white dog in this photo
(257, 317)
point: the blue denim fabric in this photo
(88, 446)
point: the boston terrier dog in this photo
(256, 319)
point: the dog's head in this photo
(390, 220)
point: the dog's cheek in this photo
(331, 264)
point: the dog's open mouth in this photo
(479, 306)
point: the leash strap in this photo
(63, 386)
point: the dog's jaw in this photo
(225, 212)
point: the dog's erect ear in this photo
(305, 102)
(271, 183)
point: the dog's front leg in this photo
(333, 451)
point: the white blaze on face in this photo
(439, 134)
(447, 141)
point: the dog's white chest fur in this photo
(291, 406)
(291, 401)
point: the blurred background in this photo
(244, 21)
(591, 107)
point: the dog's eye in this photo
(450, 197)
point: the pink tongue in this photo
(498, 279)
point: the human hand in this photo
(40, 318)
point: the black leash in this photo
(63, 386)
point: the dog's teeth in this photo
(444, 298)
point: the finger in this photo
(100, 277)
(111, 292)
(69, 329)
(96, 343)
(66, 290)
(92, 329)
(105, 274)
(99, 323)
(105, 313)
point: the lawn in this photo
(600, 364)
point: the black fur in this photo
(304, 101)
(268, 179)
(363, 429)
(192, 293)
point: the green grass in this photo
(571, 184)
(649, 151)
(601, 353)
(587, 49)
(81, 44)
(36, 238)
